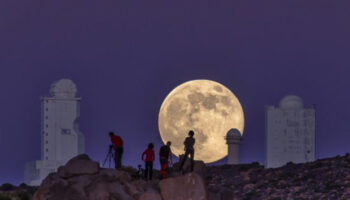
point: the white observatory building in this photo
(233, 140)
(61, 139)
(290, 133)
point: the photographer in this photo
(117, 145)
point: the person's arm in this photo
(121, 140)
(143, 155)
(170, 157)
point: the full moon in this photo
(206, 107)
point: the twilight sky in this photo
(126, 56)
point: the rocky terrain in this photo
(82, 179)
(11, 192)
(322, 179)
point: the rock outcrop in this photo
(321, 179)
(190, 186)
(83, 179)
(150, 195)
(21, 192)
(199, 166)
(79, 165)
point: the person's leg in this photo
(146, 170)
(183, 160)
(150, 170)
(115, 161)
(192, 160)
(166, 166)
(120, 157)
(162, 168)
(116, 157)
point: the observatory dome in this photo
(233, 133)
(64, 88)
(291, 102)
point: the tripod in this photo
(109, 156)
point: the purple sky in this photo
(125, 56)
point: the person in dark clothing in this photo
(164, 156)
(148, 156)
(117, 145)
(189, 150)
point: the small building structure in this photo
(233, 141)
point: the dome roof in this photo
(233, 133)
(291, 102)
(64, 88)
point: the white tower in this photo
(233, 140)
(290, 133)
(61, 139)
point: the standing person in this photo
(117, 145)
(148, 156)
(189, 149)
(164, 156)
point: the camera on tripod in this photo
(109, 156)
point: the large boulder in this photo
(82, 179)
(105, 190)
(199, 166)
(113, 175)
(188, 187)
(56, 188)
(150, 195)
(78, 165)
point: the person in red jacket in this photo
(117, 145)
(148, 157)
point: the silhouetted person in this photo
(164, 156)
(117, 145)
(148, 156)
(189, 150)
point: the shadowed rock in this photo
(150, 195)
(199, 167)
(79, 165)
(323, 179)
(190, 186)
(82, 178)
